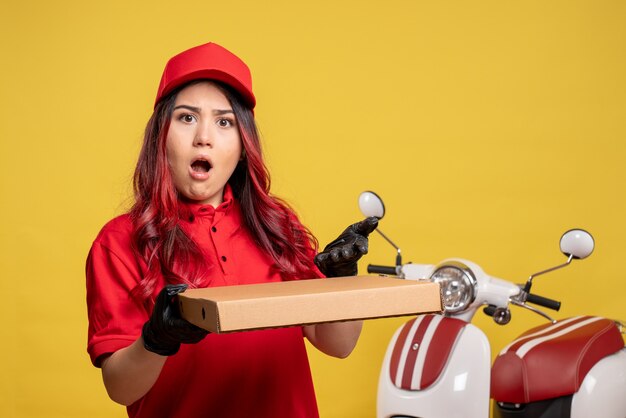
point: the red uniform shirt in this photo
(248, 374)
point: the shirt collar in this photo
(198, 209)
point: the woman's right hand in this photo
(164, 332)
(129, 373)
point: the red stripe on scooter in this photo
(439, 349)
(546, 329)
(409, 366)
(397, 349)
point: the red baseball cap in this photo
(208, 61)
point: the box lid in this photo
(300, 302)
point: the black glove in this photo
(166, 330)
(340, 257)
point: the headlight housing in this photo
(458, 285)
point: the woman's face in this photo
(203, 144)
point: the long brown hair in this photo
(157, 210)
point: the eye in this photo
(187, 118)
(225, 123)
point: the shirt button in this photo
(223, 258)
(214, 229)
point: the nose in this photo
(203, 136)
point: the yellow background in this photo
(489, 128)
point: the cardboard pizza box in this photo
(301, 302)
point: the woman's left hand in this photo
(340, 257)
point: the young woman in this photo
(203, 216)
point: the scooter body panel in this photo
(461, 391)
(603, 391)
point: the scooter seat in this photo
(553, 359)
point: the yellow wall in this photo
(489, 127)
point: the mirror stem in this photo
(399, 255)
(530, 279)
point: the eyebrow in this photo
(192, 108)
(198, 110)
(223, 111)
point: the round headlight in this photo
(458, 285)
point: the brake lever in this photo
(533, 309)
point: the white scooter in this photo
(439, 366)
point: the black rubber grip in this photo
(373, 268)
(489, 310)
(545, 302)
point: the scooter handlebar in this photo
(373, 268)
(545, 302)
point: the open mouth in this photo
(201, 166)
